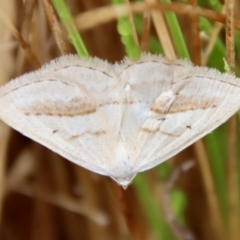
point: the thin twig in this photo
(180, 231)
(20, 39)
(55, 26)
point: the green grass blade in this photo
(73, 34)
(176, 33)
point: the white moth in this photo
(121, 119)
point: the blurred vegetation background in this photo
(43, 196)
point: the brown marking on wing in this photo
(150, 131)
(74, 107)
(71, 108)
(97, 134)
(91, 68)
(109, 102)
(183, 104)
